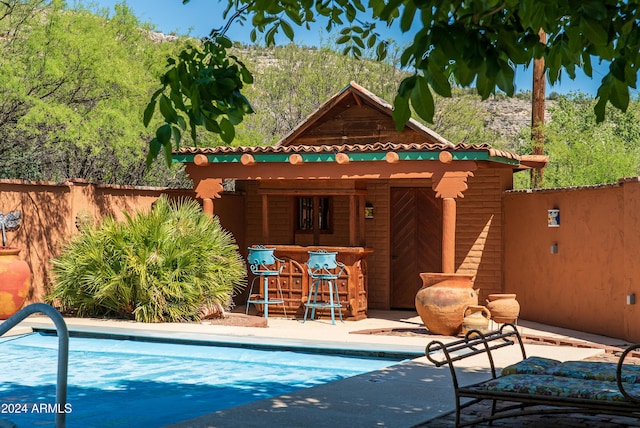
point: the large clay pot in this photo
(503, 307)
(15, 282)
(442, 300)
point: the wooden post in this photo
(537, 112)
(361, 205)
(316, 220)
(342, 158)
(354, 219)
(265, 219)
(392, 157)
(247, 160)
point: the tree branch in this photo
(232, 18)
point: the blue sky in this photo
(198, 17)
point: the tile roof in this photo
(350, 148)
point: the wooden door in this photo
(416, 241)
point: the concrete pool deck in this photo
(403, 395)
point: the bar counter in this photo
(294, 280)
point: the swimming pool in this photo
(120, 383)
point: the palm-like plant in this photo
(164, 265)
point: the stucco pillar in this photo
(448, 235)
(449, 185)
(207, 206)
(206, 188)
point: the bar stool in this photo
(264, 264)
(323, 269)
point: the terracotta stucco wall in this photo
(49, 214)
(631, 262)
(584, 286)
(46, 214)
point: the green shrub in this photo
(164, 265)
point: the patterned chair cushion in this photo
(557, 386)
(574, 369)
(531, 365)
(595, 370)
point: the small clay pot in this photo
(504, 307)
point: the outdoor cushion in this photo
(557, 386)
(531, 365)
(595, 370)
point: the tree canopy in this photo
(582, 152)
(73, 85)
(455, 42)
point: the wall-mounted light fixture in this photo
(554, 248)
(631, 299)
(553, 218)
(368, 210)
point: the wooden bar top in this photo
(296, 251)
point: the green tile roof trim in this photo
(356, 152)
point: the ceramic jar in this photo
(442, 300)
(475, 318)
(503, 307)
(15, 282)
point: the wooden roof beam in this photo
(357, 98)
(342, 158)
(296, 159)
(247, 159)
(201, 160)
(392, 157)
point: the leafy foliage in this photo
(73, 86)
(583, 152)
(204, 83)
(283, 100)
(475, 42)
(164, 265)
(462, 119)
(87, 126)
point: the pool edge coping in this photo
(367, 350)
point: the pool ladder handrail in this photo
(63, 350)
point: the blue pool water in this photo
(121, 383)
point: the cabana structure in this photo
(392, 204)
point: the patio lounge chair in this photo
(539, 385)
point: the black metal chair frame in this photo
(519, 404)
